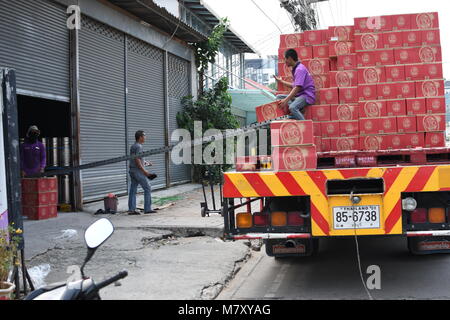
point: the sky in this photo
(263, 33)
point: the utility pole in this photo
(303, 15)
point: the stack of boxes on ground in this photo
(379, 84)
(40, 198)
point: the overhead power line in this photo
(268, 17)
(303, 14)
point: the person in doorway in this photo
(32, 154)
(303, 91)
(139, 176)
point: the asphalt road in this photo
(334, 273)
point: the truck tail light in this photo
(419, 215)
(295, 218)
(244, 220)
(279, 218)
(260, 219)
(436, 215)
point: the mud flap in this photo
(295, 248)
(429, 245)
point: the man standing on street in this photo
(32, 153)
(139, 176)
(303, 92)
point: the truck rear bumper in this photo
(437, 233)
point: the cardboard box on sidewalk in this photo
(38, 185)
(40, 212)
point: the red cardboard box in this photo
(330, 129)
(406, 55)
(413, 140)
(371, 143)
(373, 24)
(384, 57)
(405, 90)
(321, 51)
(395, 73)
(368, 42)
(329, 96)
(39, 199)
(387, 91)
(435, 105)
(41, 212)
(430, 88)
(292, 132)
(294, 158)
(333, 64)
(428, 54)
(342, 33)
(346, 62)
(270, 111)
(341, 48)
(431, 37)
(317, 129)
(431, 123)
(435, 140)
(321, 81)
(370, 126)
(307, 113)
(396, 107)
(284, 70)
(314, 37)
(39, 185)
(290, 41)
(371, 75)
(416, 106)
(366, 59)
(414, 72)
(407, 124)
(372, 109)
(345, 112)
(344, 144)
(412, 38)
(320, 113)
(401, 22)
(393, 39)
(305, 53)
(367, 92)
(433, 71)
(317, 66)
(392, 142)
(326, 144)
(282, 87)
(388, 125)
(349, 128)
(348, 95)
(343, 79)
(281, 58)
(425, 21)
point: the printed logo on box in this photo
(331, 128)
(387, 90)
(328, 95)
(292, 133)
(415, 140)
(347, 61)
(396, 106)
(316, 67)
(366, 58)
(387, 124)
(343, 79)
(401, 22)
(348, 94)
(406, 89)
(269, 111)
(342, 48)
(369, 42)
(430, 89)
(372, 110)
(407, 123)
(427, 55)
(431, 123)
(322, 51)
(318, 82)
(342, 33)
(416, 105)
(372, 143)
(304, 52)
(404, 55)
(294, 159)
(412, 37)
(371, 75)
(435, 139)
(345, 144)
(344, 113)
(396, 141)
(291, 41)
(384, 56)
(367, 91)
(425, 20)
(395, 72)
(368, 125)
(415, 71)
(393, 39)
(433, 70)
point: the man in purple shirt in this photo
(303, 90)
(32, 153)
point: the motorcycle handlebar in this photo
(107, 282)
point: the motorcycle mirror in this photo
(98, 232)
(94, 236)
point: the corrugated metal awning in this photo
(159, 17)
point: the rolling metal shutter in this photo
(179, 86)
(145, 101)
(35, 42)
(102, 108)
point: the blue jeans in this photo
(295, 106)
(138, 178)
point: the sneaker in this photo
(134, 213)
(151, 211)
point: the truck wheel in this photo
(203, 212)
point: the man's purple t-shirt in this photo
(303, 79)
(32, 157)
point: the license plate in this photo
(358, 217)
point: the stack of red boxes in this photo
(401, 86)
(293, 145)
(40, 198)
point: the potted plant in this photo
(9, 240)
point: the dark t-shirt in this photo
(135, 149)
